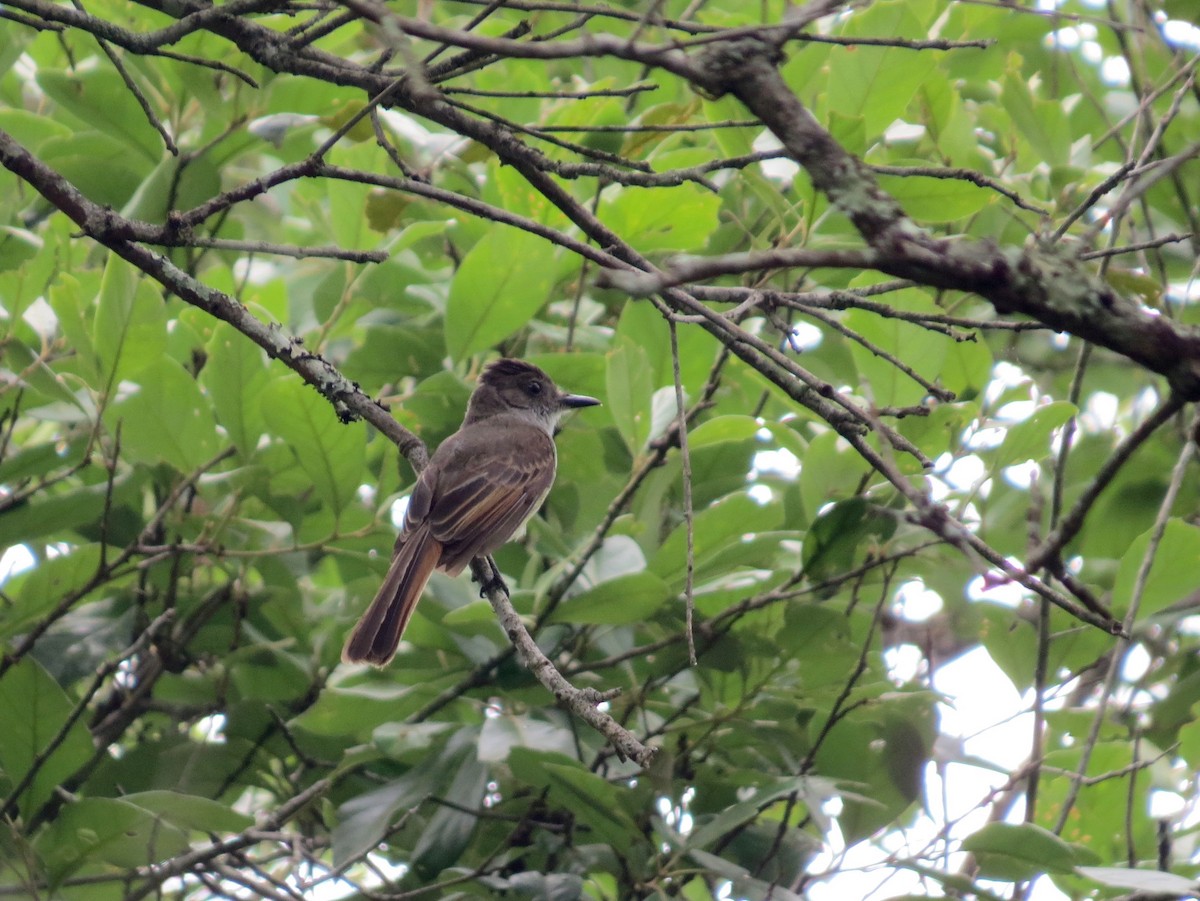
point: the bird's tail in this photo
(377, 635)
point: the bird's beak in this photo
(572, 401)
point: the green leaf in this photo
(34, 710)
(830, 471)
(937, 199)
(103, 168)
(17, 247)
(190, 811)
(173, 184)
(234, 376)
(920, 349)
(1030, 439)
(364, 820)
(683, 224)
(500, 734)
(723, 428)
(1017, 851)
(504, 279)
(834, 543)
(167, 419)
(330, 453)
(38, 377)
(594, 802)
(878, 83)
(107, 830)
(354, 710)
(56, 514)
(626, 599)
(630, 394)
(742, 883)
(76, 319)
(100, 98)
(37, 591)
(722, 525)
(1040, 122)
(1172, 575)
(130, 330)
(449, 830)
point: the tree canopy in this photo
(892, 310)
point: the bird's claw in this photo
(493, 581)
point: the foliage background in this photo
(963, 375)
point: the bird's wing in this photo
(490, 478)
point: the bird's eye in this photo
(533, 389)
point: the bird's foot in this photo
(493, 581)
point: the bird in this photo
(479, 488)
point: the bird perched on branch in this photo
(479, 488)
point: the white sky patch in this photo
(986, 731)
(806, 336)
(901, 131)
(780, 462)
(399, 508)
(254, 270)
(15, 561)
(1100, 412)
(1022, 475)
(996, 588)
(917, 603)
(41, 317)
(1182, 34)
(783, 170)
(1115, 72)
(1005, 376)
(965, 472)
(904, 663)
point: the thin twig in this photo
(688, 515)
(1117, 658)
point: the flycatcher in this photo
(481, 485)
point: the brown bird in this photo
(480, 487)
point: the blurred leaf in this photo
(1128, 281)
(1030, 439)
(682, 225)
(234, 376)
(723, 428)
(36, 591)
(1040, 122)
(874, 82)
(500, 734)
(190, 812)
(1172, 575)
(330, 453)
(364, 820)
(449, 830)
(167, 419)
(630, 393)
(35, 710)
(626, 599)
(99, 97)
(1013, 852)
(95, 830)
(503, 280)
(726, 522)
(593, 801)
(836, 538)
(920, 349)
(130, 331)
(936, 199)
